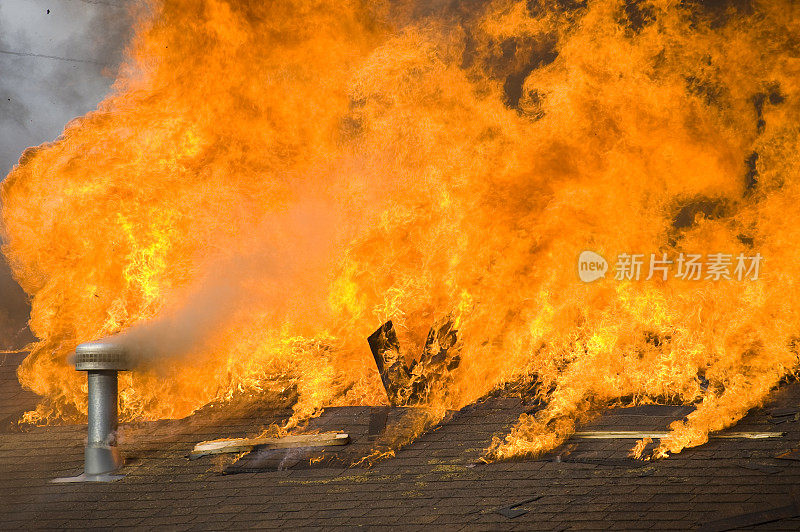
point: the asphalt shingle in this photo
(433, 482)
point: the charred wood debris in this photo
(424, 379)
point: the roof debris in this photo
(238, 445)
(415, 384)
(635, 435)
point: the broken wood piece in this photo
(441, 351)
(394, 373)
(635, 435)
(238, 445)
(440, 356)
(426, 378)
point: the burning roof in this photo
(269, 182)
(435, 481)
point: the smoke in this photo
(273, 267)
(57, 61)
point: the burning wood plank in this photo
(635, 435)
(238, 445)
(440, 356)
(406, 386)
(395, 375)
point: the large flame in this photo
(270, 181)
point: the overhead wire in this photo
(54, 57)
(100, 2)
(68, 59)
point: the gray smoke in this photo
(278, 273)
(58, 59)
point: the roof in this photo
(435, 481)
(14, 401)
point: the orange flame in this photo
(268, 182)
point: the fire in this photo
(268, 182)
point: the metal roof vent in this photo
(101, 360)
(101, 355)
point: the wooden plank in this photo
(238, 445)
(394, 373)
(409, 385)
(636, 435)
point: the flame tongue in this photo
(268, 182)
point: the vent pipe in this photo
(101, 360)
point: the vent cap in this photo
(101, 355)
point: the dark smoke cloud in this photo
(39, 95)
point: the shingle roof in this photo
(434, 482)
(14, 401)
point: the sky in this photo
(39, 95)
